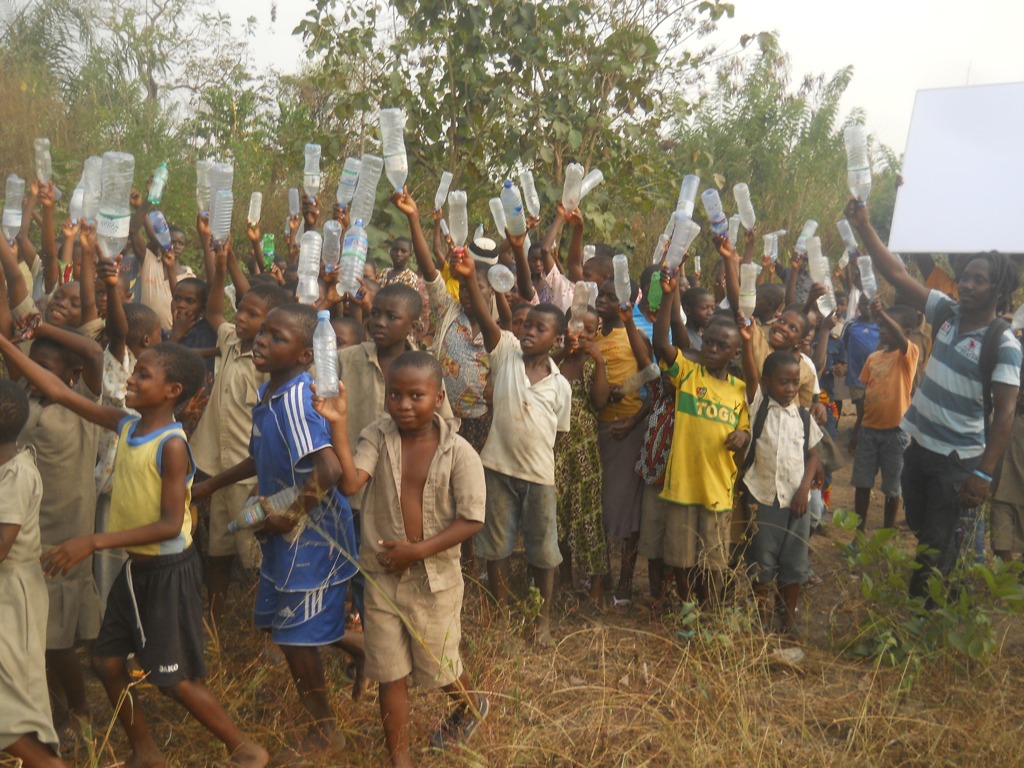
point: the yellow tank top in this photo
(135, 499)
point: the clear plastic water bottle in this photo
(160, 229)
(311, 177)
(12, 206)
(868, 282)
(220, 220)
(444, 228)
(203, 184)
(347, 182)
(44, 164)
(294, 206)
(478, 232)
(252, 515)
(530, 197)
(770, 241)
(846, 234)
(75, 204)
(659, 250)
(817, 264)
(325, 355)
(580, 304)
(746, 209)
(221, 176)
(637, 380)
(591, 180)
(114, 218)
(685, 233)
(592, 298)
(572, 187)
(498, 215)
(370, 169)
(623, 289)
(748, 289)
(156, 189)
(255, 208)
(858, 165)
(688, 194)
(734, 228)
(92, 187)
(844, 260)
(512, 202)
(458, 218)
(713, 207)
(441, 196)
(392, 134)
(353, 258)
(589, 252)
(810, 227)
(308, 289)
(331, 254)
(501, 278)
(696, 265)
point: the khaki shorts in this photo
(75, 611)
(411, 630)
(696, 536)
(225, 504)
(1007, 521)
(654, 512)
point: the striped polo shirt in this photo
(947, 413)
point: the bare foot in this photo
(322, 739)
(146, 760)
(542, 634)
(250, 754)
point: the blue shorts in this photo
(309, 618)
(879, 449)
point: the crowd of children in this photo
(467, 420)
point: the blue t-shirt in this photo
(286, 432)
(861, 339)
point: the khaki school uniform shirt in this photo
(455, 489)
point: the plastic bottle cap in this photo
(359, 222)
(323, 314)
(508, 184)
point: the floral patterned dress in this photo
(578, 481)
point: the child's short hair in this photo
(601, 264)
(405, 295)
(140, 320)
(355, 325)
(13, 410)
(70, 359)
(554, 312)
(423, 361)
(770, 296)
(402, 239)
(906, 317)
(776, 360)
(270, 293)
(691, 296)
(798, 309)
(304, 317)
(568, 313)
(181, 365)
(204, 291)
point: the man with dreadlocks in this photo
(954, 449)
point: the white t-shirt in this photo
(778, 467)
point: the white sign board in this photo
(963, 172)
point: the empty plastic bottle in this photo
(868, 283)
(846, 234)
(858, 166)
(160, 229)
(220, 220)
(255, 208)
(712, 203)
(370, 169)
(810, 227)
(501, 278)
(643, 376)
(44, 165)
(353, 258)
(75, 204)
(311, 177)
(441, 196)
(392, 135)
(580, 304)
(156, 189)
(12, 206)
(458, 218)
(114, 218)
(221, 176)
(444, 228)
(252, 515)
(654, 292)
(572, 187)
(770, 241)
(308, 289)
(659, 249)
(325, 355)
(589, 252)
(696, 265)
(347, 182)
(844, 260)
(734, 228)
(268, 249)
(512, 202)
(685, 233)
(478, 232)
(498, 215)
(623, 289)
(688, 194)
(746, 209)
(817, 266)
(294, 206)
(591, 180)
(330, 256)
(203, 184)
(530, 197)
(748, 289)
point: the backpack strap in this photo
(987, 362)
(805, 417)
(756, 428)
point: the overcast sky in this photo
(895, 46)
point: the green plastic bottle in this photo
(654, 292)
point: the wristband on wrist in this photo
(983, 476)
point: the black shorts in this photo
(155, 610)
